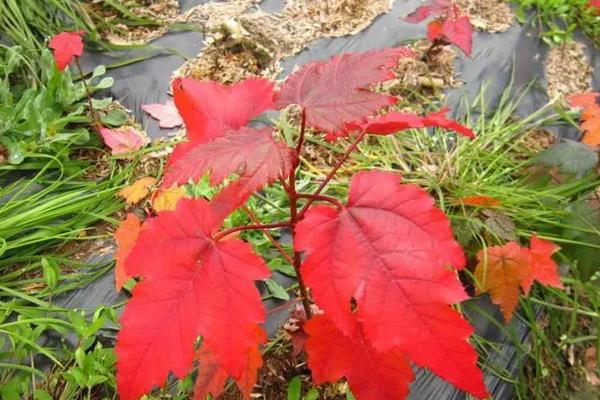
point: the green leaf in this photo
(313, 394)
(277, 290)
(114, 118)
(105, 83)
(281, 266)
(294, 389)
(100, 104)
(51, 272)
(99, 71)
(583, 227)
(570, 157)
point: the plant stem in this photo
(97, 125)
(293, 196)
(274, 242)
(333, 171)
(320, 197)
(227, 232)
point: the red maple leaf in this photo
(371, 375)
(251, 153)
(66, 45)
(543, 268)
(389, 251)
(210, 109)
(336, 91)
(192, 285)
(395, 121)
(166, 114)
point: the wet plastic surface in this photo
(495, 58)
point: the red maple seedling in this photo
(381, 265)
(448, 27)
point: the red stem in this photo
(274, 242)
(320, 197)
(88, 93)
(333, 172)
(229, 231)
(293, 196)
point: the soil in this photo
(488, 15)
(114, 31)
(242, 43)
(567, 70)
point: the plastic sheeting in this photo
(495, 59)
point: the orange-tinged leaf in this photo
(591, 125)
(583, 99)
(137, 190)
(125, 236)
(477, 201)
(543, 268)
(122, 140)
(500, 271)
(166, 200)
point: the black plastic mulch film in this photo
(496, 58)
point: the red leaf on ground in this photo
(191, 286)
(125, 236)
(209, 109)
(166, 114)
(477, 201)
(583, 100)
(389, 251)
(122, 140)
(502, 269)
(371, 376)
(336, 91)
(65, 46)
(543, 268)
(499, 272)
(594, 4)
(395, 121)
(459, 31)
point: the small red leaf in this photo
(371, 376)
(477, 201)
(66, 45)
(394, 122)
(543, 268)
(122, 140)
(209, 109)
(191, 286)
(389, 251)
(166, 114)
(336, 91)
(434, 7)
(211, 377)
(435, 30)
(125, 236)
(459, 31)
(583, 100)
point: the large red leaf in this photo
(66, 46)
(336, 91)
(252, 153)
(390, 252)
(209, 109)
(371, 376)
(191, 285)
(395, 121)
